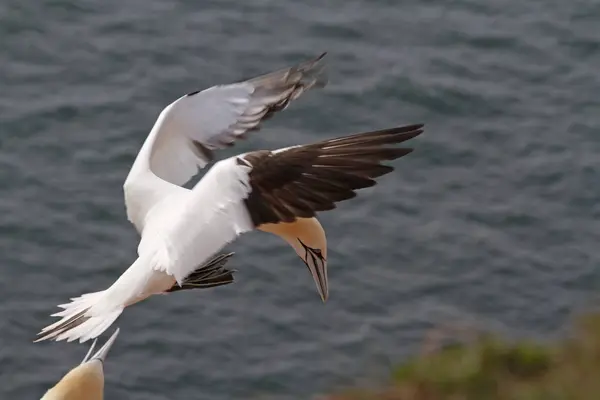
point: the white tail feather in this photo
(80, 321)
(91, 328)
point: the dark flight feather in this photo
(303, 180)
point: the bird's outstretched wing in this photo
(241, 193)
(188, 130)
(302, 180)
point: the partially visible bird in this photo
(86, 381)
(274, 191)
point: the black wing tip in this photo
(319, 58)
(405, 151)
(413, 134)
(409, 128)
(313, 61)
(407, 132)
(314, 69)
(310, 63)
(402, 131)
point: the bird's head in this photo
(307, 238)
(86, 381)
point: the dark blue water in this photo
(491, 222)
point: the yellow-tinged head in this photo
(307, 237)
(86, 381)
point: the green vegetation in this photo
(493, 369)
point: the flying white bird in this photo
(277, 192)
(86, 381)
(181, 142)
(274, 191)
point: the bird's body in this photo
(86, 381)
(273, 191)
(181, 141)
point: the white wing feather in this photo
(212, 215)
(186, 231)
(181, 229)
(214, 118)
(189, 129)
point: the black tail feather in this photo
(211, 274)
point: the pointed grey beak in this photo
(318, 270)
(317, 265)
(101, 354)
(87, 356)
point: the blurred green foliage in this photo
(492, 369)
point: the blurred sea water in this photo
(492, 221)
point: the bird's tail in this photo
(88, 316)
(209, 275)
(78, 322)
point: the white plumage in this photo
(274, 191)
(181, 229)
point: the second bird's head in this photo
(86, 381)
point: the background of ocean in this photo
(491, 222)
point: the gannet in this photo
(273, 191)
(179, 226)
(180, 143)
(86, 381)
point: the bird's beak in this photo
(89, 353)
(317, 265)
(318, 269)
(101, 354)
